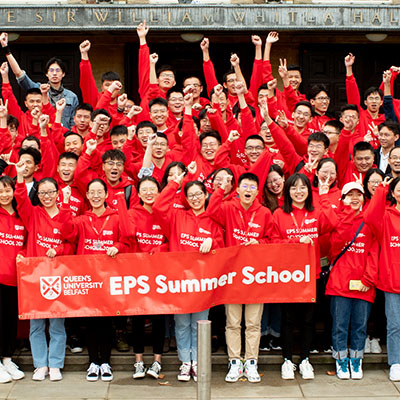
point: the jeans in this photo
(48, 356)
(392, 308)
(271, 320)
(354, 312)
(186, 334)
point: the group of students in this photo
(245, 166)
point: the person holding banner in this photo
(12, 240)
(299, 221)
(187, 230)
(43, 224)
(140, 224)
(351, 282)
(384, 222)
(96, 232)
(245, 222)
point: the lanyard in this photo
(98, 244)
(295, 222)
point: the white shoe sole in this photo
(183, 378)
(153, 374)
(107, 378)
(92, 378)
(139, 376)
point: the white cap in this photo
(350, 186)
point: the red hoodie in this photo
(93, 234)
(12, 240)
(44, 232)
(359, 262)
(184, 230)
(385, 224)
(240, 225)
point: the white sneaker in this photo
(375, 346)
(93, 373)
(287, 370)
(140, 370)
(250, 371)
(55, 374)
(342, 368)
(154, 370)
(39, 374)
(194, 370)
(367, 348)
(394, 373)
(5, 377)
(356, 371)
(106, 373)
(235, 371)
(13, 369)
(184, 372)
(306, 369)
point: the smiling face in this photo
(173, 173)
(30, 166)
(113, 170)
(253, 149)
(159, 115)
(355, 199)
(47, 194)
(166, 80)
(294, 79)
(373, 182)
(394, 161)
(387, 138)
(197, 86)
(196, 198)
(316, 150)
(321, 102)
(373, 102)
(96, 195)
(247, 191)
(218, 179)
(230, 83)
(143, 135)
(160, 148)
(327, 172)
(301, 117)
(6, 195)
(66, 169)
(275, 183)
(148, 192)
(363, 160)
(74, 144)
(176, 103)
(209, 147)
(33, 100)
(298, 193)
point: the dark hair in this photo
(68, 155)
(113, 155)
(391, 125)
(70, 133)
(264, 86)
(166, 67)
(119, 130)
(47, 180)
(171, 165)
(202, 114)
(102, 111)
(269, 199)
(190, 77)
(58, 61)
(162, 135)
(320, 164)
(335, 124)
(306, 104)
(228, 171)
(249, 176)
(362, 146)
(32, 91)
(294, 67)
(237, 110)
(173, 90)
(255, 137)
(371, 90)
(287, 202)
(315, 89)
(110, 76)
(319, 137)
(11, 120)
(99, 181)
(195, 120)
(35, 154)
(367, 176)
(158, 101)
(346, 107)
(224, 90)
(145, 124)
(226, 74)
(392, 186)
(32, 138)
(8, 181)
(213, 134)
(195, 183)
(85, 107)
(147, 179)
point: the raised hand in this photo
(192, 168)
(142, 29)
(235, 60)
(205, 44)
(256, 40)
(66, 194)
(153, 58)
(233, 135)
(349, 60)
(272, 37)
(85, 46)
(4, 39)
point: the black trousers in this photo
(299, 315)
(8, 319)
(157, 333)
(100, 335)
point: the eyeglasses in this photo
(196, 195)
(192, 84)
(156, 112)
(49, 193)
(252, 188)
(117, 164)
(304, 114)
(254, 148)
(98, 193)
(323, 98)
(276, 180)
(376, 98)
(315, 146)
(209, 145)
(55, 70)
(166, 75)
(148, 190)
(374, 183)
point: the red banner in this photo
(164, 283)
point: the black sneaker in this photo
(264, 343)
(275, 343)
(121, 343)
(74, 345)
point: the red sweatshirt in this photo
(88, 86)
(12, 240)
(77, 203)
(44, 232)
(385, 224)
(184, 230)
(240, 225)
(359, 262)
(93, 234)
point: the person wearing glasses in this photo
(187, 230)
(43, 224)
(320, 100)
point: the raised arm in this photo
(208, 66)
(353, 93)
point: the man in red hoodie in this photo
(245, 222)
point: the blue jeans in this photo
(271, 320)
(48, 356)
(186, 334)
(354, 312)
(392, 309)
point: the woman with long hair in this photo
(272, 196)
